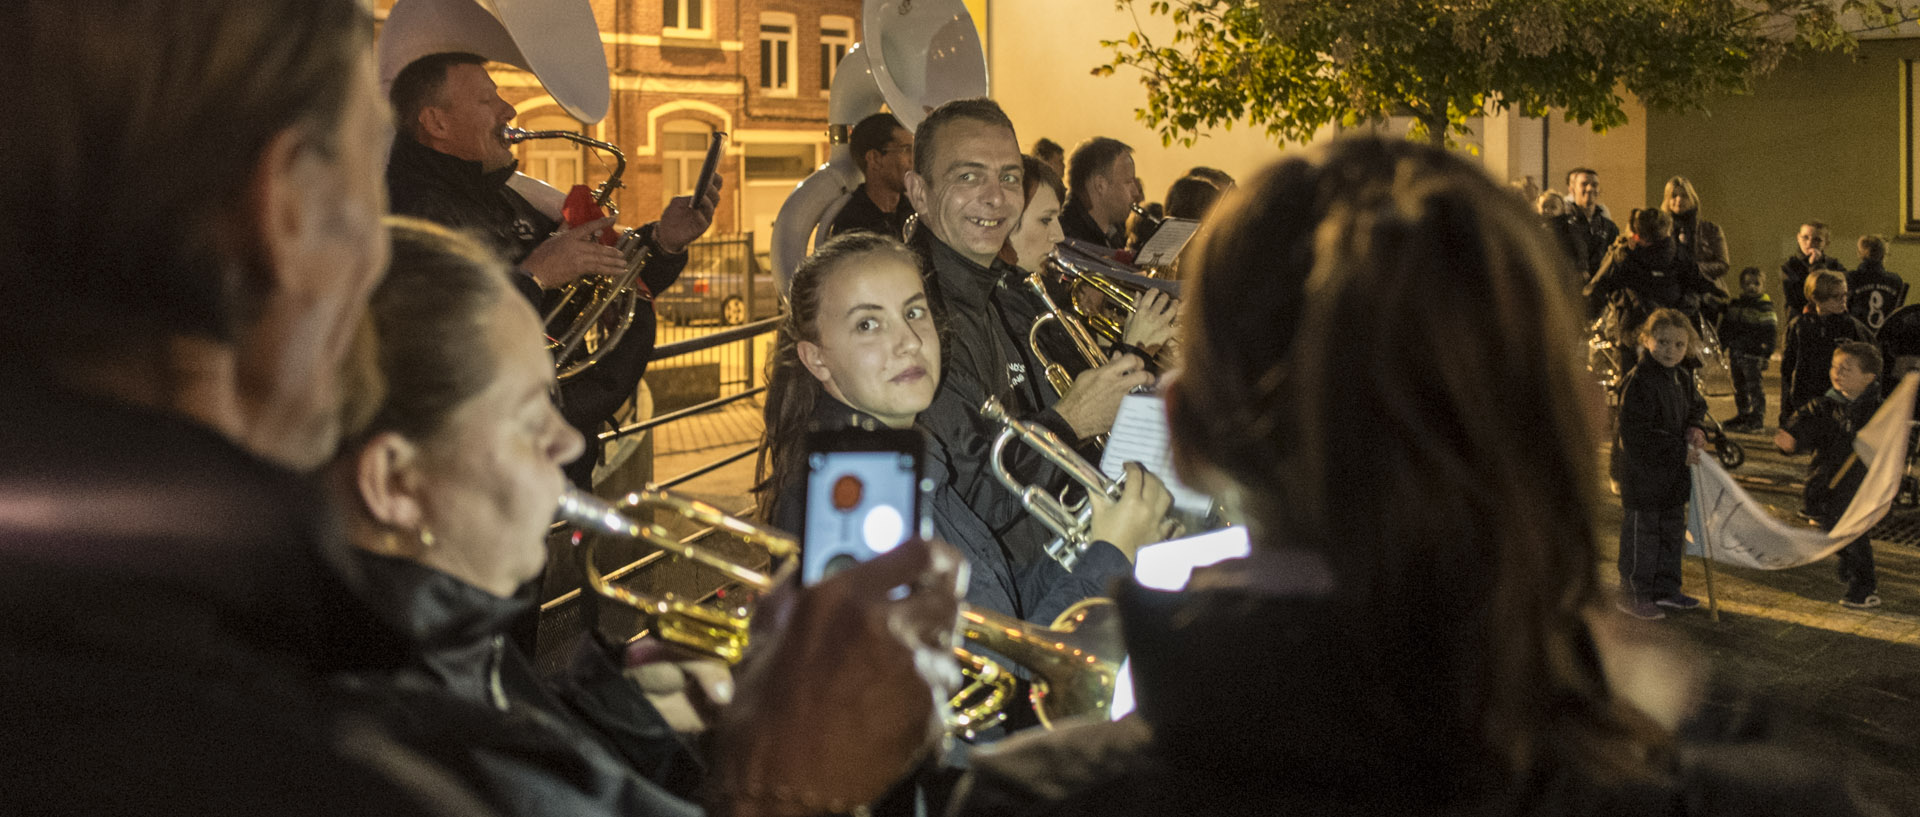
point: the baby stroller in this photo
(1900, 337)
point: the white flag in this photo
(1737, 529)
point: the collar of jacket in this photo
(963, 283)
(410, 155)
(434, 610)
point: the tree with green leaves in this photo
(1295, 66)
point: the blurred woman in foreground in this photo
(448, 490)
(1389, 397)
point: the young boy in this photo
(1799, 267)
(1660, 434)
(1826, 426)
(1811, 339)
(1873, 293)
(1749, 328)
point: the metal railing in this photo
(723, 356)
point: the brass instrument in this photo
(1074, 663)
(575, 333)
(1083, 340)
(1083, 264)
(1071, 524)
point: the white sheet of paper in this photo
(1140, 435)
(1166, 242)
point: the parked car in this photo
(714, 288)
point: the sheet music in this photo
(1166, 242)
(1140, 435)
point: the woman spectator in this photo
(449, 487)
(1703, 239)
(1420, 628)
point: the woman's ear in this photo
(387, 478)
(815, 362)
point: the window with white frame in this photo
(557, 162)
(777, 54)
(687, 18)
(1911, 218)
(836, 36)
(683, 146)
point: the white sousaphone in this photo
(914, 56)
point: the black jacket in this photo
(1807, 356)
(425, 183)
(985, 314)
(470, 699)
(1635, 280)
(1657, 406)
(1826, 427)
(1254, 702)
(860, 213)
(1587, 237)
(1793, 279)
(1022, 581)
(1873, 293)
(1078, 223)
(171, 616)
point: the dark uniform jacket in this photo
(1793, 279)
(1657, 406)
(1826, 427)
(470, 699)
(983, 310)
(425, 183)
(1021, 583)
(860, 213)
(1251, 702)
(1076, 222)
(171, 615)
(1873, 293)
(1807, 357)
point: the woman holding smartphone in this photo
(860, 349)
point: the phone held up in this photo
(866, 494)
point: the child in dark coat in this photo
(1826, 427)
(1660, 434)
(1645, 271)
(1749, 328)
(1811, 339)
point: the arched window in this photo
(557, 162)
(683, 145)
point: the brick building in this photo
(757, 69)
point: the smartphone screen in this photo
(864, 492)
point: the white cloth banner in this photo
(1739, 530)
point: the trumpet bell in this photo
(1075, 663)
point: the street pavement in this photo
(1784, 659)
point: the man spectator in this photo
(1586, 230)
(884, 152)
(1052, 155)
(1873, 293)
(451, 163)
(1812, 256)
(1101, 191)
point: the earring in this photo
(393, 545)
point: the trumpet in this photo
(1074, 663)
(1083, 340)
(1071, 524)
(1081, 264)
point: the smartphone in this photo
(708, 166)
(866, 494)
